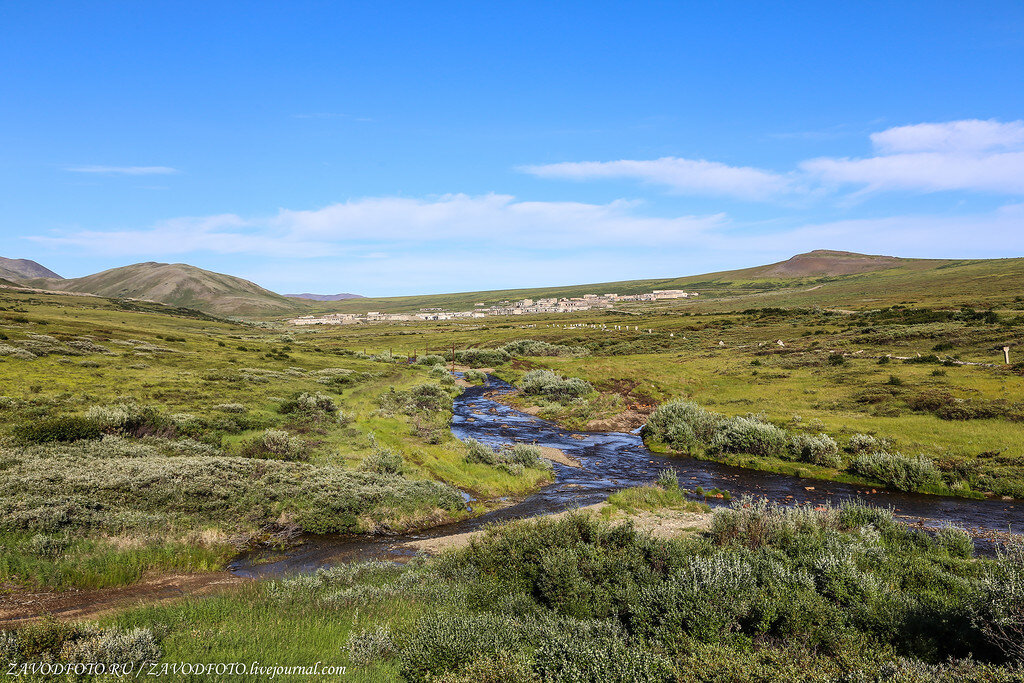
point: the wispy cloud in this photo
(969, 155)
(124, 170)
(685, 176)
(375, 224)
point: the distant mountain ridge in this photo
(23, 268)
(325, 297)
(178, 284)
(183, 285)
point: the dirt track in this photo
(20, 606)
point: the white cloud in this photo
(374, 225)
(971, 155)
(686, 176)
(124, 170)
(954, 137)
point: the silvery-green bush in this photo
(820, 449)
(553, 386)
(897, 470)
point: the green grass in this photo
(652, 499)
(54, 562)
(183, 367)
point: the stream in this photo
(612, 461)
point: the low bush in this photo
(474, 377)
(530, 347)
(818, 449)
(553, 386)
(865, 443)
(275, 444)
(310, 405)
(430, 360)
(897, 470)
(477, 452)
(383, 461)
(427, 397)
(482, 358)
(746, 435)
(59, 642)
(514, 456)
(62, 428)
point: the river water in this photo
(611, 461)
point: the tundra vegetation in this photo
(137, 437)
(186, 438)
(766, 593)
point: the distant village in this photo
(587, 302)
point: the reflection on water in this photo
(612, 461)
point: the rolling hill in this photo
(24, 269)
(325, 297)
(179, 284)
(817, 278)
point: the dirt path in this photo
(21, 606)
(660, 524)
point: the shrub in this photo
(118, 417)
(836, 359)
(431, 360)
(474, 377)
(865, 443)
(956, 541)
(482, 358)
(668, 478)
(896, 470)
(683, 425)
(383, 461)
(366, 647)
(530, 347)
(420, 398)
(746, 435)
(55, 641)
(819, 450)
(999, 612)
(275, 444)
(477, 452)
(553, 386)
(310, 405)
(521, 454)
(439, 371)
(63, 428)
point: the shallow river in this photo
(612, 461)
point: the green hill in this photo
(179, 284)
(816, 278)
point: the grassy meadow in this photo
(138, 439)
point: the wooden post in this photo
(1006, 354)
(453, 357)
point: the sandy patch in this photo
(660, 524)
(557, 455)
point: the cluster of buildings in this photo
(586, 302)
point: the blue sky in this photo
(397, 148)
